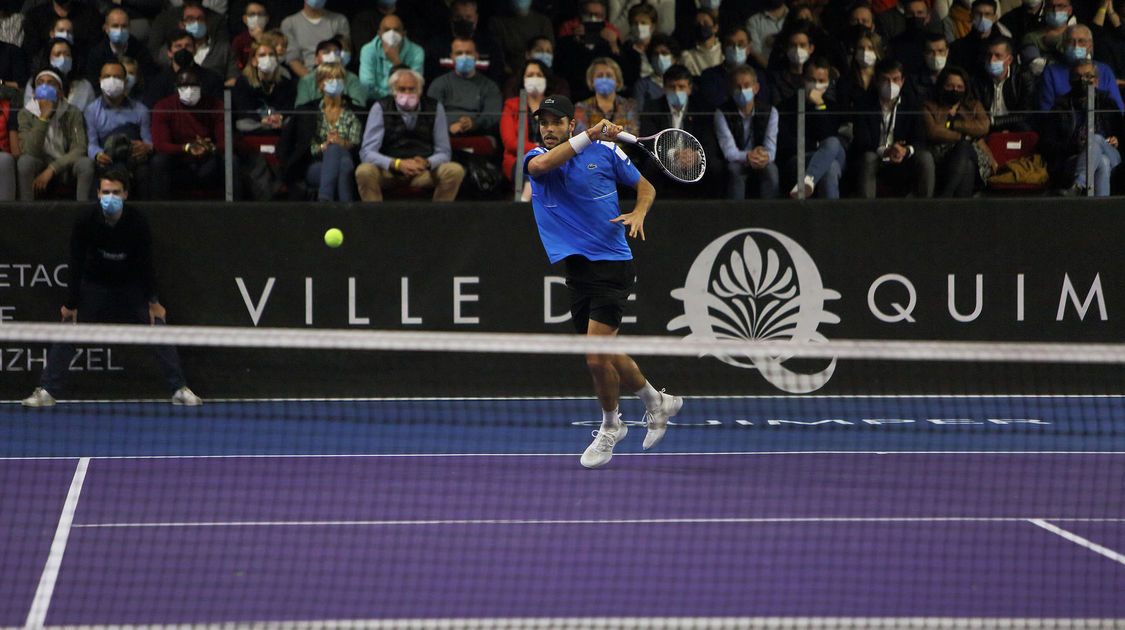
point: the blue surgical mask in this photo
(118, 35)
(111, 204)
(546, 58)
(710, 4)
(982, 24)
(1076, 52)
(465, 64)
(1056, 19)
(62, 64)
(744, 97)
(677, 99)
(521, 5)
(333, 87)
(661, 63)
(387, 3)
(605, 86)
(197, 30)
(316, 4)
(47, 93)
(345, 57)
(995, 68)
(735, 56)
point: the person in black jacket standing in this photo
(111, 280)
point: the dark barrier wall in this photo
(1035, 270)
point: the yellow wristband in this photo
(947, 123)
(397, 162)
(187, 147)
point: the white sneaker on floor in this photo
(657, 419)
(186, 398)
(600, 451)
(39, 398)
(810, 188)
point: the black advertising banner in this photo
(985, 269)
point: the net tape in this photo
(550, 343)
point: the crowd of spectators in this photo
(338, 100)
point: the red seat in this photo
(266, 145)
(481, 145)
(1010, 145)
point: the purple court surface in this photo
(719, 537)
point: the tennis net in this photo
(389, 479)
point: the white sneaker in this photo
(600, 451)
(657, 419)
(810, 188)
(186, 397)
(39, 398)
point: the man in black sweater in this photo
(111, 280)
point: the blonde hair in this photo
(273, 38)
(613, 65)
(327, 71)
(252, 73)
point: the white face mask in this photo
(889, 91)
(936, 63)
(330, 57)
(392, 38)
(112, 87)
(267, 64)
(190, 95)
(642, 31)
(256, 21)
(535, 85)
(812, 85)
(798, 56)
(865, 58)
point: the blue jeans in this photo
(826, 166)
(1106, 158)
(100, 303)
(332, 175)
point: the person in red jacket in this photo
(535, 75)
(187, 137)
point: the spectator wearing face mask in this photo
(472, 101)
(406, 143)
(464, 23)
(60, 58)
(604, 78)
(935, 56)
(956, 124)
(38, 21)
(634, 58)
(367, 22)
(262, 98)
(680, 107)
(747, 135)
(1065, 135)
(117, 42)
(825, 149)
(535, 81)
(210, 44)
(512, 30)
(708, 51)
(714, 83)
(1006, 91)
(52, 142)
(1044, 44)
(970, 49)
(663, 53)
(181, 56)
(581, 41)
(918, 24)
(620, 14)
(391, 47)
(187, 133)
(542, 50)
(319, 146)
(330, 51)
(792, 49)
(1078, 44)
(256, 19)
(889, 142)
(118, 129)
(306, 29)
(855, 80)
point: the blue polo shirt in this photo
(576, 203)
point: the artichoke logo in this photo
(757, 284)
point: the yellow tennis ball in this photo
(333, 237)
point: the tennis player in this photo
(574, 194)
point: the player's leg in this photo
(607, 387)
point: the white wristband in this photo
(579, 142)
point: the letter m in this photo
(1068, 292)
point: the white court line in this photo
(42, 600)
(662, 454)
(612, 521)
(643, 623)
(1078, 540)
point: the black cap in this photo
(556, 104)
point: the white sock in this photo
(649, 396)
(611, 419)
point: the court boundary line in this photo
(47, 580)
(584, 397)
(661, 454)
(1078, 540)
(751, 520)
(635, 623)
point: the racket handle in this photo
(625, 136)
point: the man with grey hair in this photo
(1077, 44)
(406, 143)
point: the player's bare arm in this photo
(635, 220)
(555, 132)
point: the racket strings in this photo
(681, 155)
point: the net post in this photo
(520, 140)
(1091, 129)
(228, 148)
(801, 143)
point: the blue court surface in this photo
(787, 511)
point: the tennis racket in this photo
(678, 153)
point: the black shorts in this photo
(599, 290)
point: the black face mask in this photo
(593, 29)
(184, 58)
(463, 28)
(1079, 88)
(703, 33)
(949, 98)
(915, 24)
